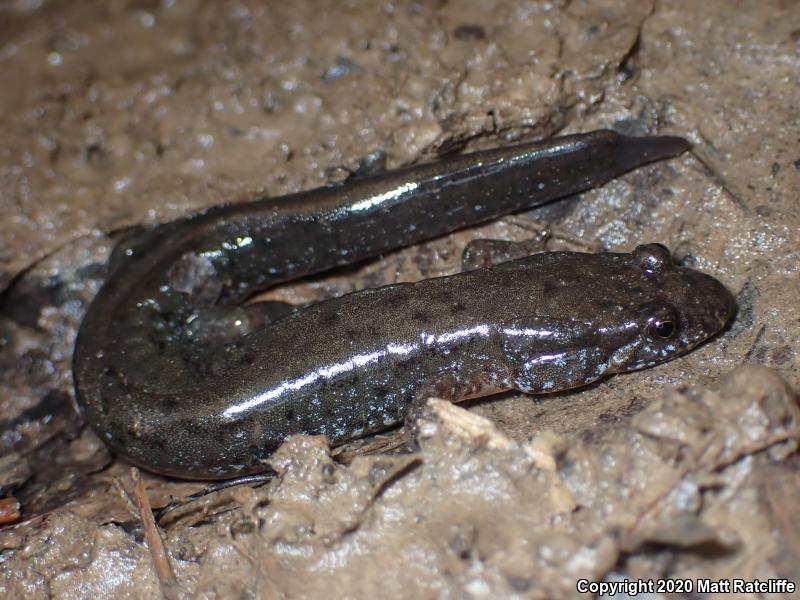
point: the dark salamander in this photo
(179, 375)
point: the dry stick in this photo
(651, 508)
(160, 561)
(712, 171)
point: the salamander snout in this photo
(690, 308)
(694, 306)
(678, 309)
(708, 306)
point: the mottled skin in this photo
(175, 375)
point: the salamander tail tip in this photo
(659, 147)
(665, 146)
(632, 152)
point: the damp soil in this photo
(125, 113)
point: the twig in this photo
(755, 343)
(166, 578)
(712, 172)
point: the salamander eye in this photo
(662, 323)
(663, 329)
(652, 258)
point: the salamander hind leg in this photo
(223, 324)
(261, 314)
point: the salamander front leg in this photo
(451, 388)
(484, 253)
(419, 412)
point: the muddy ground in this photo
(135, 112)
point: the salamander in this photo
(176, 372)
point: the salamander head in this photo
(680, 309)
